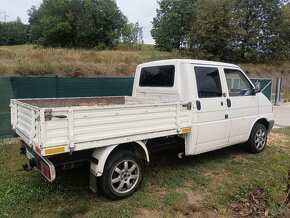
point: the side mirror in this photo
(257, 88)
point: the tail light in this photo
(47, 169)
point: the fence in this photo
(55, 87)
(266, 86)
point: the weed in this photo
(176, 201)
(115, 211)
(286, 92)
(286, 131)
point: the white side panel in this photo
(265, 106)
(106, 123)
(244, 111)
(25, 119)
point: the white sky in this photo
(141, 11)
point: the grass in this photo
(212, 184)
(286, 93)
(261, 69)
(29, 60)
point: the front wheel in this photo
(122, 176)
(258, 139)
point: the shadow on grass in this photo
(78, 178)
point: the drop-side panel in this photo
(93, 124)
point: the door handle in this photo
(229, 103)
(60, 116)
(198, 105)
(226, 116)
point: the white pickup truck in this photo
(196, 106)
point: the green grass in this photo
(205, 185)
(286, 92)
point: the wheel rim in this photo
(260, 139)
(125, 176)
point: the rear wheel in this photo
(258, 139)
(122, 176)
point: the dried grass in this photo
(26, 60)
(278, 139)
(261, 69)
(269, 71)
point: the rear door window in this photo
(208, 82)
(157, 76)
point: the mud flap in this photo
(93, 182)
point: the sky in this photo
(141, 11)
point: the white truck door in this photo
(243, 105)
(211, 107)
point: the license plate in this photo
(29, 155)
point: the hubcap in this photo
(260, 139)
(125, 176)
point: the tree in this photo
(257, 28)
(132, 34)
(231, 30)
(285, 33)
(212, 32)
(76, 23)
(172, 23)
(13, 33)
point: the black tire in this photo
(124, 175)
(258, 139)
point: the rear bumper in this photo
(43, 165)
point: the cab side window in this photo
(237, 83)
(157, 76)
(208, 82)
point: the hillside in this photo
(27, 60)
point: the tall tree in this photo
(172, 23)
(285, 33)
(231, 30)
(211, 33)
(256, 24)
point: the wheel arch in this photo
(262, 120)
(257, 140)
(102, 154)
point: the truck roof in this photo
(188, 61)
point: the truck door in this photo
(211, 107)
(242, 104)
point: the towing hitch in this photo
(32, 164)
